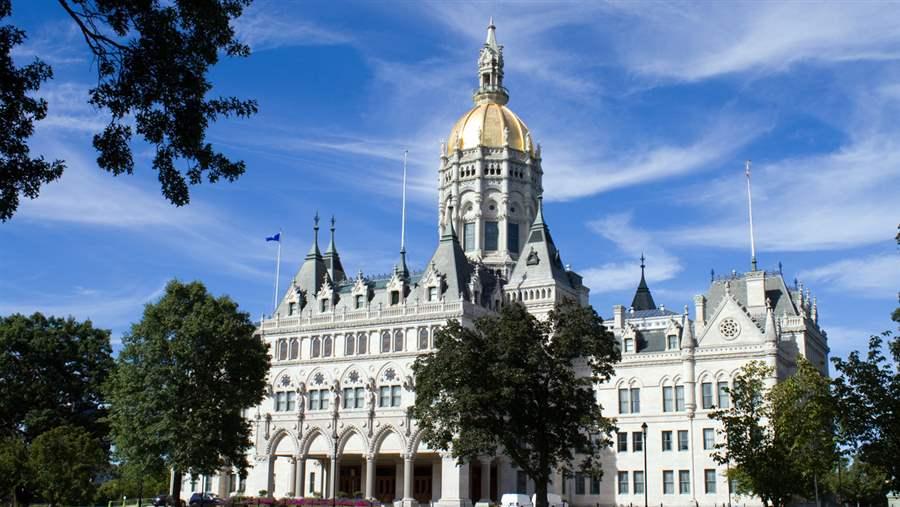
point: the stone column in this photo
(485, 499)
(300, 477)
(293, 481)
(333, 477)
(454, 483)
(370, 476)
(270, 476)
(408, 500)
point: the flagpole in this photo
(277, 274)
(750, 212)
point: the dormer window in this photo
(359, 301)
(395, 297)
(628, 344)
(432, 293)
(292, 307)
(323, 305)
(671, 342)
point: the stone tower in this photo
(490, 171)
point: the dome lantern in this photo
(490, 71)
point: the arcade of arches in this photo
(381, 468)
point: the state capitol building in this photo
(335, 421)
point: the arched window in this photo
(423, 339)
(282, 350)
(295, 348)
(326, 347)
(316, 348)
(385, 342)
(362, 342)
(349, 345)
(398, 341)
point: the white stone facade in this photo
(335, 421)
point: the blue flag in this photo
(276, 237)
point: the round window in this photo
(729, 329)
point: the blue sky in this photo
(645, 112)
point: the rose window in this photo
(729, 329)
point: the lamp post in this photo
(644, 447)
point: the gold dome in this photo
(489, 120)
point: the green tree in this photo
(186, 372)
(13, 467)
(152, 60)
(52, 372)
(858, 483)
(757, 458)
(804, 416)
(868, 390)
(779, 442)
(522, 386)
(133, 481)
(63, 464)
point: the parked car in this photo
(515, 500)
(205, 500)
(553, 500)
(165, 501)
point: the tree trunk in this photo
(176, 486)
(540, 492)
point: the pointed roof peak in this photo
(314, 251)
(449, 232)
(491, 37)
(643, 299)
(331, 247)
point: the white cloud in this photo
(835, 200)
(685, 42)
(631, 242)
(876, 277)
(108, 308)
(267, 26)
(576, 175)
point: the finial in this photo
(780, 270)
(316, 221)
(712, 275)
(642, 263)
(332, 223)
(769, 303)
(491, 22)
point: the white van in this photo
(514, 500)
(553, 500)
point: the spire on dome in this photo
(490, 71)
(643, 300)
(491, 40)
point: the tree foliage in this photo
(185, 373)
(63, 463)
(779, 442)
(152, 59)
(858, 483)
(519, 385)
(133, 481)
(868, 390)
(52, 372)
(19, 172)
(13, 467)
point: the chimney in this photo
(700, 305)
(618, 316)
(756, 290)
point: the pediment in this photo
(730, 324)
